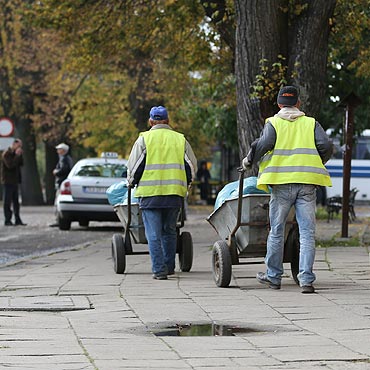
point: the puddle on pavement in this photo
(203, 330)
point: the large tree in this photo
(145, 50)
(18, 74)
(278, 42)
(349, 64)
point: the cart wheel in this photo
(294, 246)
(234, 252)
(118, 254)
(221, 264)
(185, 251)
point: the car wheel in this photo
(64, 223)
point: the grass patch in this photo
(335, 242)
(322, 214)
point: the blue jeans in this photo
(160, 232)
(303, 198)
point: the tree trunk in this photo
(308, 53)
(30, 187)
(257, 37)
(51, 160)
(264, 31)
(140, 97)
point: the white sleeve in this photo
(191, 160)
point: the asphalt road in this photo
(37, 238)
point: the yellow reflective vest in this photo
(164, 172)
(294, 158)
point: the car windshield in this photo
(102, 170)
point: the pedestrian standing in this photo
(64, 165)
(12, 161)
(292, 150)
(162, 164)
(203, 177)
(61, 172)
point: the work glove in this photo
(246, 164)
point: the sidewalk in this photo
(71, 311)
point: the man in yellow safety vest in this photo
(162, 164)
(291, 152)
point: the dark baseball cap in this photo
(288, 95)
(158, 113)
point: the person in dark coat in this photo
(203, 177)
(12, 161)
(63, 166)
(61, 172)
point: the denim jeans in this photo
(303, 198)
(160, 232)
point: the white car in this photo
(82, 196)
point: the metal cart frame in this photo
(134, 233)
(248, 238)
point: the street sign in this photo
(5, 143)
(6, 127)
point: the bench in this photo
(334, 205)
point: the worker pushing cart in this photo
(243, 224)
(129, 213)
(162, 165)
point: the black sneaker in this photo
(20, 223)
(308, 289)
(159, 277)
(262, 278)
(8, 223)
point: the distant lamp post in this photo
(350, 102)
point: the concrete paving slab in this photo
(283, 329)
(315, 353)
(57, 362)
(45, 303)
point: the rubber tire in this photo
(185, 251)
(234, 252)
(221, 264)
(293, 240)
(64, 223)
(118, 254)
(83, 223)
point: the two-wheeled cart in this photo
(134, 233)
(243, 224)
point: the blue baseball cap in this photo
(158, 113)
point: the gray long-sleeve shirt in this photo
(267, 140)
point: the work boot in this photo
(308, 289)
(263, 279)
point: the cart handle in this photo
(240, 201)
(128, 206)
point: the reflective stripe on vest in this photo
(294, 158)
(164, 172)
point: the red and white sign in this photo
(6, 127)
